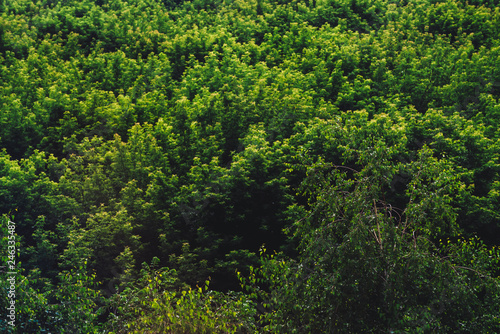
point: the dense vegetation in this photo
(269, 166)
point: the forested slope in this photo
(251, 166)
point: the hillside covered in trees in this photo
(250, 166)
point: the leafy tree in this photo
(41, 306)
(367, 266)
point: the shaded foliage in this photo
(197, 131)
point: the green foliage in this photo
(135, 129)
(76, 310)
(365, 266)
(155, 304)
(68, 306)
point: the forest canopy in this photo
(260, 166)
